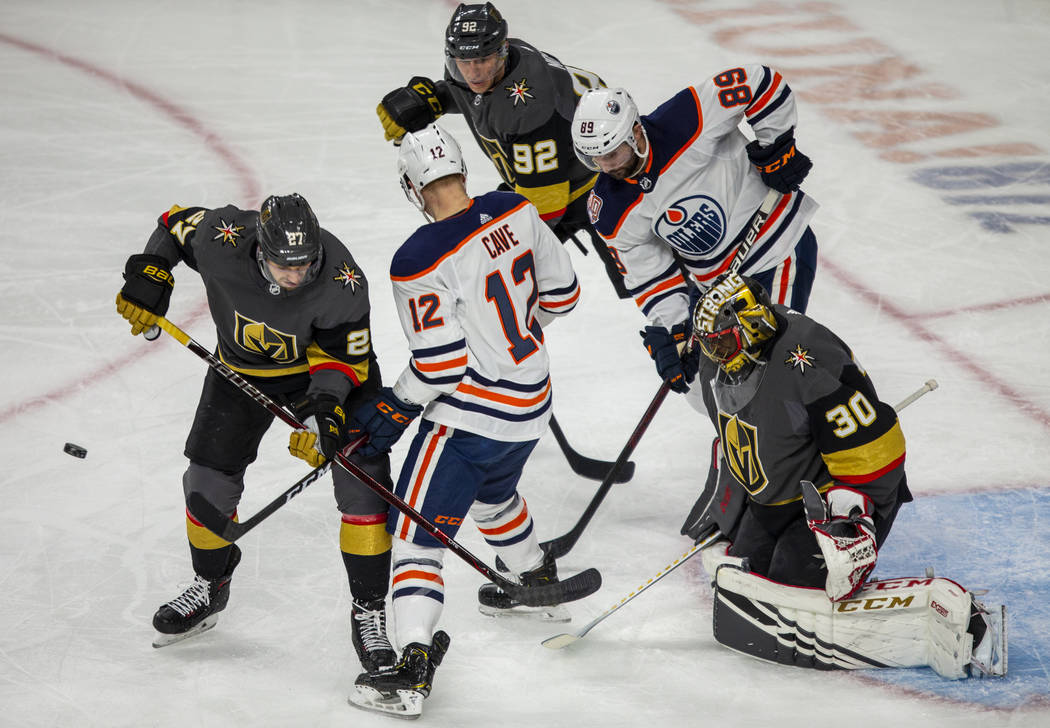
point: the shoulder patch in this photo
(348, 277)
(519, 91)
(594, 207)
(227, 232)
(799, 358)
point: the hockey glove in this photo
(384, 419)
(409, 108)
(845, 533)
(666, 347)
(781, 165)
(325, 432)
(148, 283)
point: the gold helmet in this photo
(732, 321)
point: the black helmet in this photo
(475, 31)
(288, 231)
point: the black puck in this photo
(75, 450)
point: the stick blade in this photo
(560, 641)
(213, 519)
(575, 587)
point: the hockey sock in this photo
(365, 546)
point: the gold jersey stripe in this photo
(275, 372)
(867, 459)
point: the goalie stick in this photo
(563, 640)
(575, 587)
(585, 466)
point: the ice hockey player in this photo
(474, 290)
(518, 102)
(291, 312)
(678, 189)
(806, 479)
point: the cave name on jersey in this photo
(695, 224)
(499, 241)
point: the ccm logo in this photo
(449, 520)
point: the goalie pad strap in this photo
(912, 622)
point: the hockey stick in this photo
(754, 229)
(585, 466)
(575, 587)
(559, 641)
(563, 544)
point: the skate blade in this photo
(407, 704)
(163, 640)
(554, 613)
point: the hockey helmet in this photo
(476, 31)
(604, 119)
(288, 231)
(732, 321)
(425, 156)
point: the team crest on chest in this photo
(348, 277)
(519, 91)
(258, 338)
(799, 359)
(227, 232)
(694, 225)
(740, 447)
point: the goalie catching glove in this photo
(845, 533)
(148, 283)
(781, 165)
(325, 433)
(410, 108)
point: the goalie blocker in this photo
(909, 622)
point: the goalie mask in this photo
(425, 156)
(732, 321)
(604, 119)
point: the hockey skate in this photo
(988, 627)
(494, 602)
(399, 690)
(197, 609)
(368, 633)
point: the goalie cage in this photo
(908, 622)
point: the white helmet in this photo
(604, 119)
(427, 155)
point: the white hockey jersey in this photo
(698, 191)
(472, 292)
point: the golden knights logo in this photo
(740, 447)
(258, 338)
(519, 91)
(348, 277)
(227, 232)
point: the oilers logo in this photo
(693, 225)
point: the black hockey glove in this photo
(148, 283)
(409, 108)
(666, 349)
(326, 432)
(781, 165)
(385, 419)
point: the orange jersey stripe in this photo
(504, 398)
(566, 302)
(699, 129)
(760, 104)
(441, 366)
(678, 279)
(424, 467)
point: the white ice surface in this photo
(112, 111)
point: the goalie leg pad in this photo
(912, 622)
